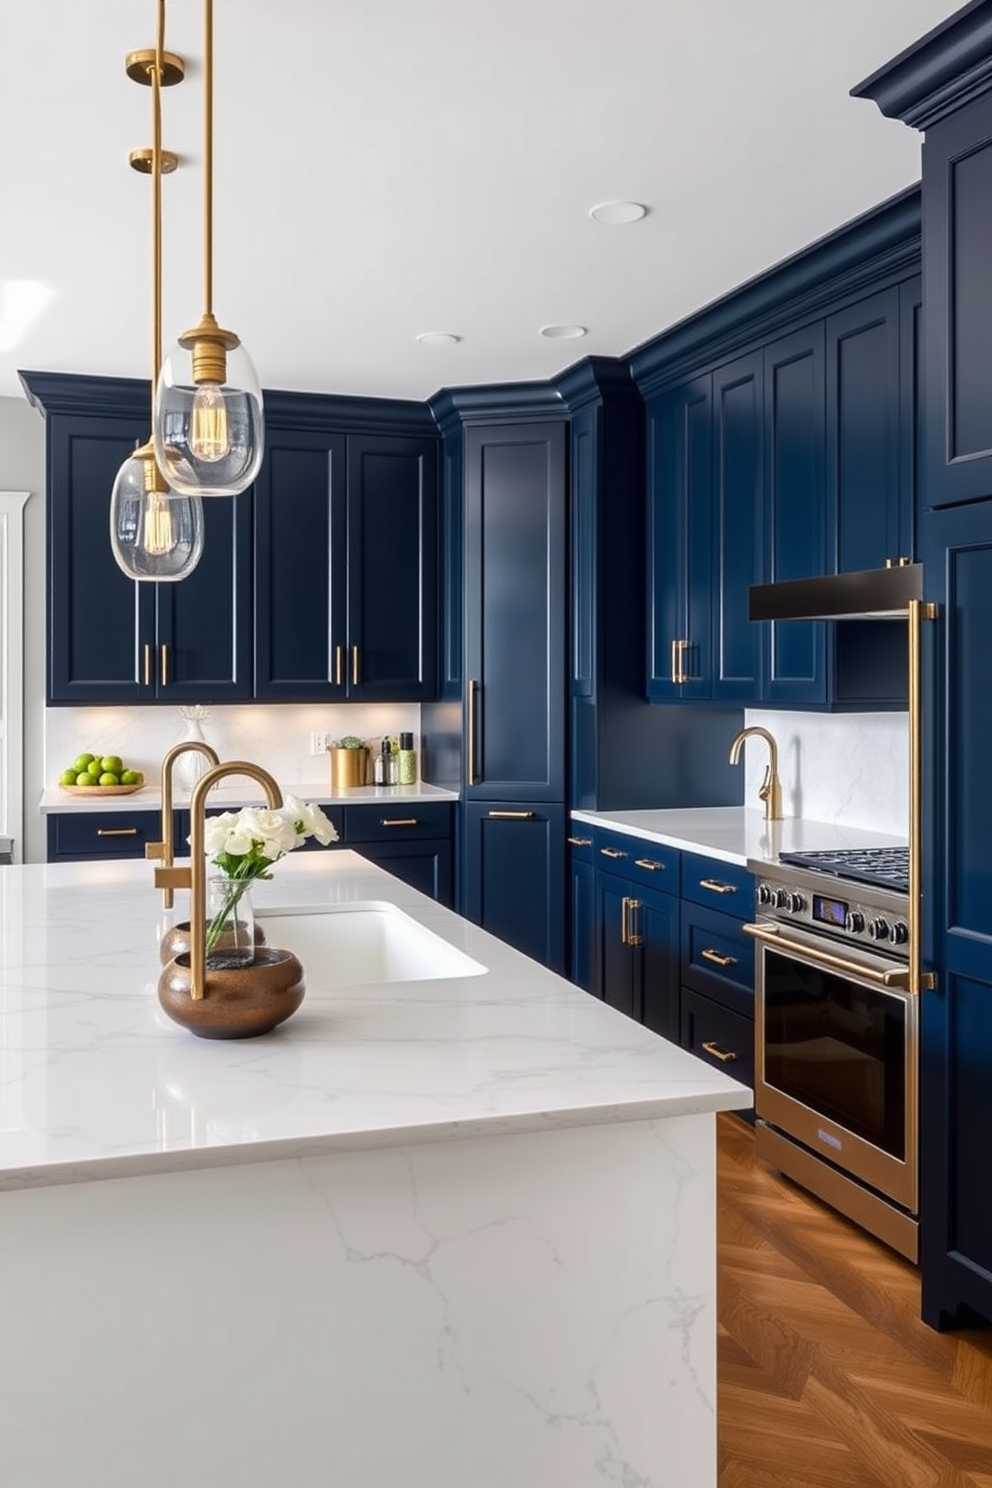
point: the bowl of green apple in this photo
(100, 775)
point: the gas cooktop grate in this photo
(885, 867)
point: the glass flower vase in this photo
(230, 938)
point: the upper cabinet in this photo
(320, 583)
(795, 458)
(346, 567)
(111, 640)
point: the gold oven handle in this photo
(898, 978)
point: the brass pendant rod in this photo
(157, 199)
(208, 157)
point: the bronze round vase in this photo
(238, 1001)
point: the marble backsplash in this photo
(276, 736)
(850, 768)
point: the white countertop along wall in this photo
(234, 793)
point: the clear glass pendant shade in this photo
(155, 534)
(209, 437)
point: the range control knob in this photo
(766, 894)
(854, 921)
(795, 903)
(898, 933)
(781, 900)
(878, 929)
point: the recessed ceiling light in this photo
(562, 332)
(616, 213)
(438, 338)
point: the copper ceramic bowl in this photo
(175, 941)
(238, 1002)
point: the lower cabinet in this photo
(637, 959)
(582, 910)
(717, 1000)
(514, 883)
(77, 836)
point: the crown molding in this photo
(947, 68)
(595, 379)
(496, 403)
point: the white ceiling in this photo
(428, 165)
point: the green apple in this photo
(131, 777)
(113, 763)
(109, 778)
(68, 777)
(85, 778)
(83, 762)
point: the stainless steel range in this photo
(837, 1034)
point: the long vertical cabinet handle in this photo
(629, 934)
(473, 688)
(354, 666)
(339, 666)
(678, 662)
(164, 664)
(148, 664)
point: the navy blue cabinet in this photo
(516, 612)
(515, 875)
(795, 504)
(582, 907)
(346, 567)
(738, 530)
(111, 640)
(636, 967)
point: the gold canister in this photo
(348, 767)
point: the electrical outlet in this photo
(318, 743)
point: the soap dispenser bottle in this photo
(408, 760)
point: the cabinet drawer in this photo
(727, 887)
(718, 1036)
(649, 864)
(396, 821)
(717, 957)
(100, 834)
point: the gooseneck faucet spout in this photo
(194, 877)
(770, 790)
(164, 850)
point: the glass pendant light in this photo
(154, 534)
(208, 427)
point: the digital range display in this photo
(829, 911)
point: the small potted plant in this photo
(349, 762)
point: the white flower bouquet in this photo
(245, 844)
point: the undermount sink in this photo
(355, 945)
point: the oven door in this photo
(837, 1060)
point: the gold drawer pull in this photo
(339, 666)
(717, 959)
(715, 887)
(117, 831)
(648, 863)
(512, 815)
(580, 841)
(164, 664)
(612, 852)
(148, 665)
(398, 821)
(725, 1056)
(354, 666)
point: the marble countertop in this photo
(245, 793)
(97, 1082)
(735, 834)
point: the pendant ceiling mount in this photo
(143, 161)
(141, 66)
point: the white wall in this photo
(851, 768)
(22, 468)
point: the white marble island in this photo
(452, 1232)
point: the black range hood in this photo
(869, 594)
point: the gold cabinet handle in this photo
(678, 662)
(339, 666)
(398, 821)
(612, 852)
(148, 665)
(579, 841)
(650, 864)
(717, 959)
(716, 887)
(512, 815)
(628, 922)
(624, 906)
(725, 1056)
(163, 663)
(117, 831)
(473, 688)
(354, 666)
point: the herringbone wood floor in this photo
(827, 1376)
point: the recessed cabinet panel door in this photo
(585, 487)
(737, 529)
(99, 619)
(515, 876)
(795, 504)
(392, 568)
(515, 599)
(300, 514)
(957, 250)
(618, 972)
(205, 622)
(657, 921)
(863, 431)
